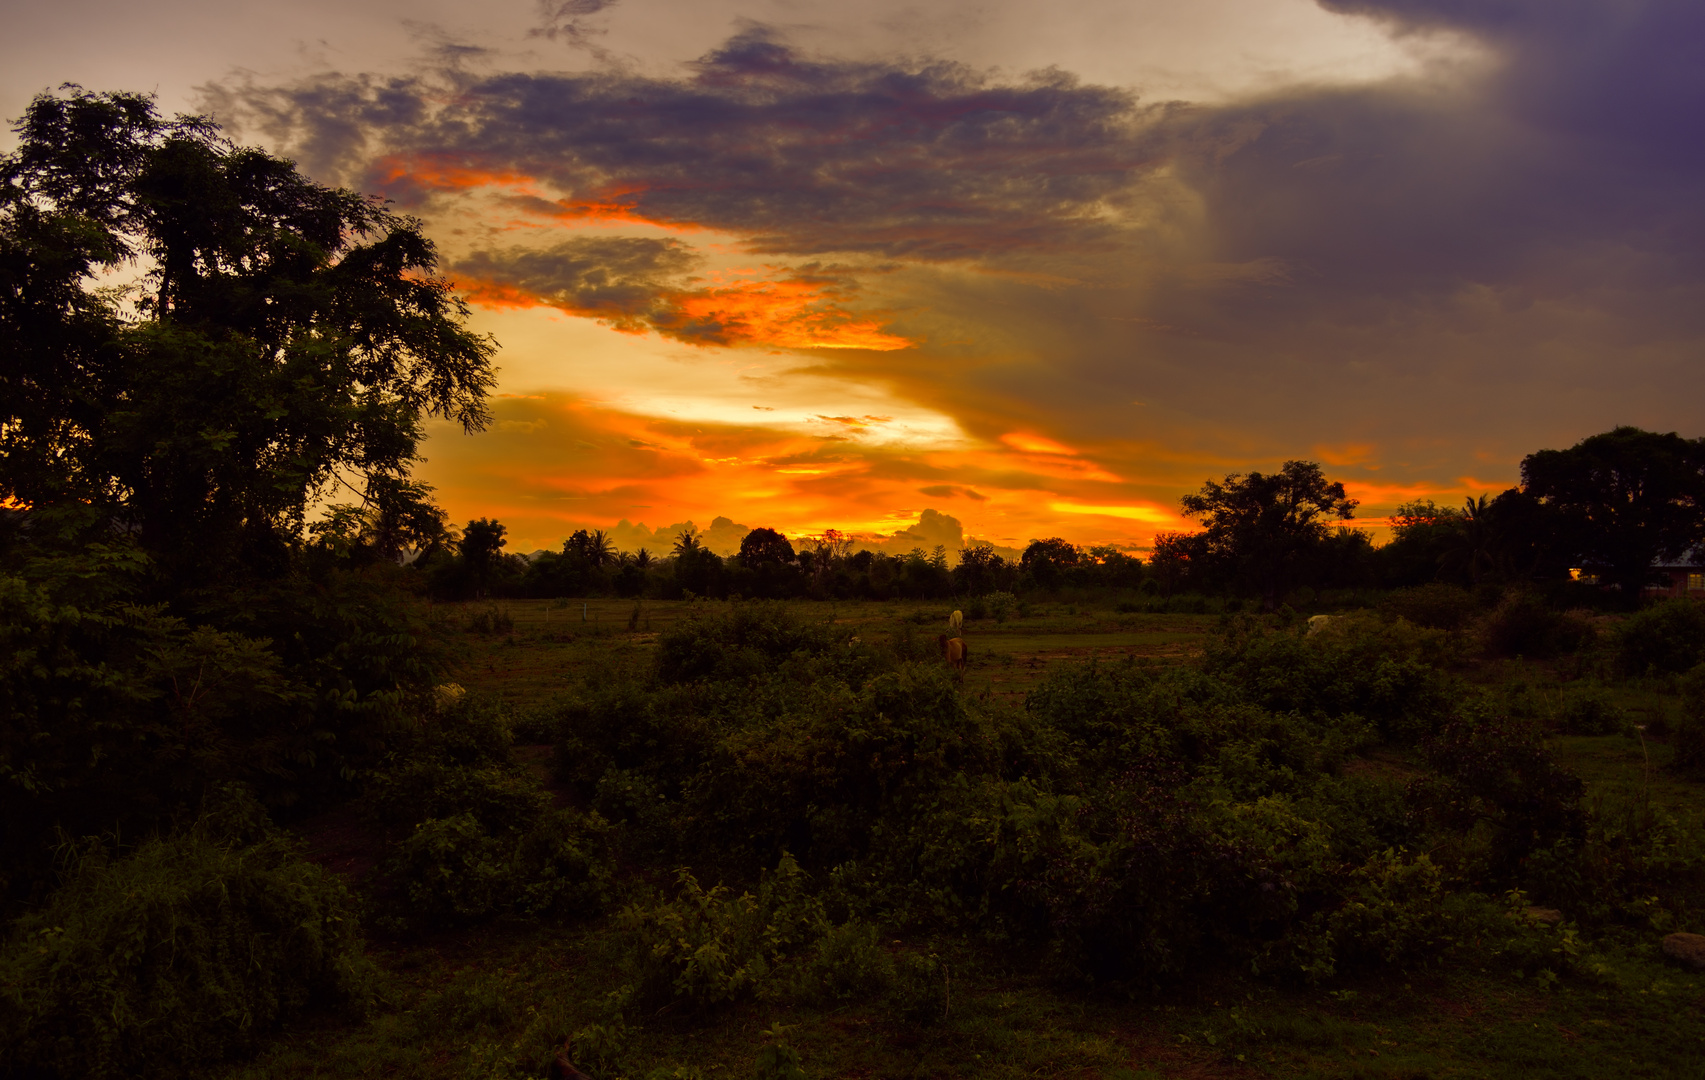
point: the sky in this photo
(994, 270)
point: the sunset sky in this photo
(1001, 269)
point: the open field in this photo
(483, 1002)
(549, 644)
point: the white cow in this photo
(956, 621)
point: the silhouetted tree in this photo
(979, 570)
(765, 547)
(480, 547)
(1260, 529)
(287, 335)
(1047, 561)
(1623, 499)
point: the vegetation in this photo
(1162, 823)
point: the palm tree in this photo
(687, 544)
(1473, 546)
(599, 550)
(642, 559)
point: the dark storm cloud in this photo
(625, 281)
(1491, 256)
(800, 156)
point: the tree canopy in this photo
(1623, 499)
(282, 338)
(1260, 527)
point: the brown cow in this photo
(954, 651)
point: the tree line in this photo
(1605, 510)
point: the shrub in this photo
(1586, 710)
(837, 763)
(710, 947)
(1495, 772)
(1668, 638)
(750, 639)
(500, 800)
(1689, 738)
(454, 871)
(489, 619)
(563, 865)
(1385, 673)
(451, 870)
(848, 963)
(1392, 916)
(1521, 625)
(1438, 606)
(173, 956)
(1161, 891)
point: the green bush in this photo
(173, 956)
(1587, 710)
(1393, 914)
(1667, 638)
(847, 964)
(451, 870)
(1385, 673)
(1495, 785)
(1689, 737)
(1522, 625)
(710, 947)
(500, 799)
(749, 639)
(454, 871)
(1438, 606)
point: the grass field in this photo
(484, 1002)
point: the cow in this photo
(953, 650)
(1317, 623)
(957, 622)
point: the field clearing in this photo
(526, 651)
(465, 1003)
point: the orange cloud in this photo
(443, 172)
(790, 314)
(783, 314)
(1035, 444)
(553, 463)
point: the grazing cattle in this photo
(1317, 623)
(953, 650)
(956, 621)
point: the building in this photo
(1686, 576)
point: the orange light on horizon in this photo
(1146, 514)
(1036, 444)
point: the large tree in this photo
(1261, 529)
(198, 346)
(279, 339)
(1621, 500)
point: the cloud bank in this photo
(1421, 278)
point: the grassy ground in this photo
(489, 1002)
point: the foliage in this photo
(1623, 499)
(1259, 528)
(289, 333)
(1385, 673)
(1522, 625)
(709, 947)
(1438, 606)
(1588, 710)
(174, 955)
(1667, 638)
(750, 639)
(1494, 774)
